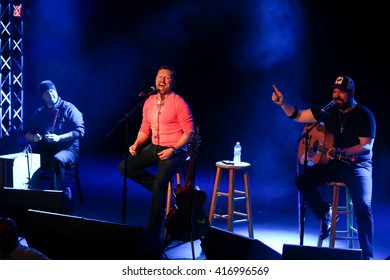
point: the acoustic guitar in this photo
(187, 221)
(320, 142)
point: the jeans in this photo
(358, 178)
(136, 169)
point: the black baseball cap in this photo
(45, 86)
(344, 83)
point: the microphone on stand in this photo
(327, 107)
(144, 94)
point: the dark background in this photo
(101, 54)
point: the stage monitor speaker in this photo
(218, 244)
(65, 237)
(14, 203)
(299, 252)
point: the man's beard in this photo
(344, 105)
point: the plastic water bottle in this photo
(237, 153)
(68, 193)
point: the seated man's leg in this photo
(165, 171)
(136, 167)
(58, 164)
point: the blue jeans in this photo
(136, 169)
(358, 178)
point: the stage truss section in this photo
(11, 75)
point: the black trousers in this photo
(136, 169)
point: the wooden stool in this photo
(232, 195)
(350, 233)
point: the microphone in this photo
(327, 107)
(143, 94)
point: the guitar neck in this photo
(336, 155)
(320, 140)
(190, 179)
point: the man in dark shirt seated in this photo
(55, 129)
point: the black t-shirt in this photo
(347, 128)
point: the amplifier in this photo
(17, 169)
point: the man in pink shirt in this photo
(167, 121)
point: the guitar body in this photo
(187, 220)
(188, 216)
(317, 135)
(320, 142)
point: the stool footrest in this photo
(226, 217)
(219, 216)
(351, 230)
(240, 221)
(240, 214)
(222, 194)
(346, 238)
(345, 231)
(215, 215)
(345, 212)
(239, 192)
(227, 194)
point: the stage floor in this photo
(108, 198)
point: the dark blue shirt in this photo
(64, 117)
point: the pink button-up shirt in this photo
(168, 121)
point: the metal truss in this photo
(11, 74)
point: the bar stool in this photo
(350, 232)
(232, 196)
(71, 172)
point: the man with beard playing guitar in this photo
(353, 127)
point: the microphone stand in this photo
(126, 152)
(301, 201)
(27, 150)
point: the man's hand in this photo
(133, 149)
(166, 154)
(277, 96)
(52, 137)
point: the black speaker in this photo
(218, 244)
(14, 203)
(66, 237)
(299, 252)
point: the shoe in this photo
(326, 222)
(326, 225)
